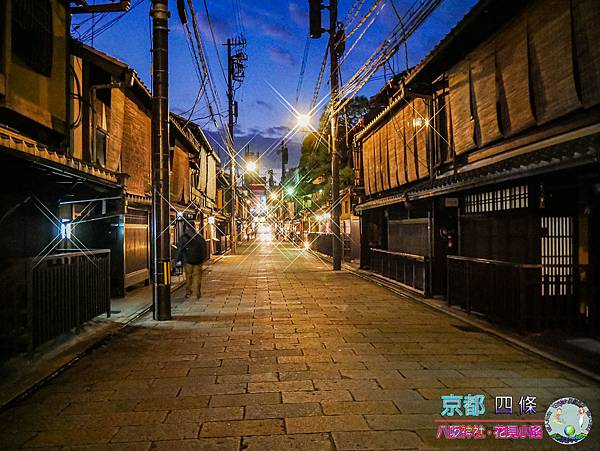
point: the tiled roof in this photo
(28, 147)
(561, 156)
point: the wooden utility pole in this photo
(235, 73)
(335, 34)
(336, 236)
(232, 180)
(160, 240)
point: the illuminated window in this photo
(32, 34)
(498, 200)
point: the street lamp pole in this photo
(160, 242)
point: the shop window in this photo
(32, 34)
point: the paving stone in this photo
(345, 384)
(316, 396)
(273, 345)
(137, 446)
(309, 375)
(262, 387)
(300, 442)
(245, 399)
(386, 395)
(303, 425)
(14, 439)
(206, 414)
(284, 410)
(201, 444)
(181, 402)
(358, 407)
(80, 436)
(213, 389)
(113, 419)
(157, 432)
(242, 378)
(400, 421)
(370, 440)
(242, 428)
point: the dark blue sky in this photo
(276, 34)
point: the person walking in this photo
(192, 254)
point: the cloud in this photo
(264, 141)
(268, 24)
(277, 132)
(264, 104)
(281, 56)
(220, 26)
(298, 14)
(276, 31)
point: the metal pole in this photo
(232, 180)
(336, 237)
(160, 241)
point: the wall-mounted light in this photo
(211, 219)
(65, 230)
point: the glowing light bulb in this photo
(303, 120)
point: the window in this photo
(32, 34)
(101, 146)
(499, 200)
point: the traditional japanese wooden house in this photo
(481, 178)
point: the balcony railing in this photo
(409, 270)
(47, 297)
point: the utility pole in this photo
(284, 159)
(160, 242)
(232, 181)
(335, 34)
(235, 73)
(336, 236)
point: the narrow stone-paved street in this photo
(283, 353)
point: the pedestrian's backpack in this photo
(196, 251)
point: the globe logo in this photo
(568, 421)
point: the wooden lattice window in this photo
(498, 200)
(32, 34)
(557, 255)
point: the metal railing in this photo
(409, 270)
(507, 294)
(51, 296)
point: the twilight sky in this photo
(276, 33)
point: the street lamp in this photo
(251, 166)
(289, 190)
(303, 120)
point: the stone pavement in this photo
(282, 353)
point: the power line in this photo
(302, 69)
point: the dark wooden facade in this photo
(489, 151)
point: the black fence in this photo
(321, 242)
(510, 294)
(408, 269)
(49, 296)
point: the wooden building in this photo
(481, 177)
